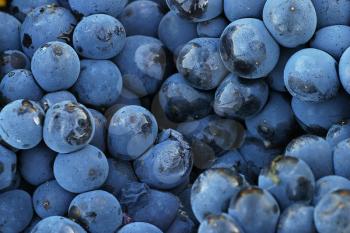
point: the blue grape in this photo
(319, 117)
(142, 63)
(240, 98)
(315, 151)
(56, 224)
(19, 84)
(266, 212)
(289, 180)
(132, 130)
(141, 18)
(290, 22)
(16, 211)
(45, 24)
(35, 164)
(98, 211)
(332, 39)
(175, 31)
(99, 36)
(167, 164)
(55, 66)
(49, 199)
(328, 184)
(181, 102)
(331, 12)
(247, 48)
(26, 114)
(89, 7)
(311, 75)
(11, 60)
(297, 218)
(99, 84)
(204, 194)
(68, 127)
(9, 32)
(200, 63)
(81, 171)
(329, 218)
